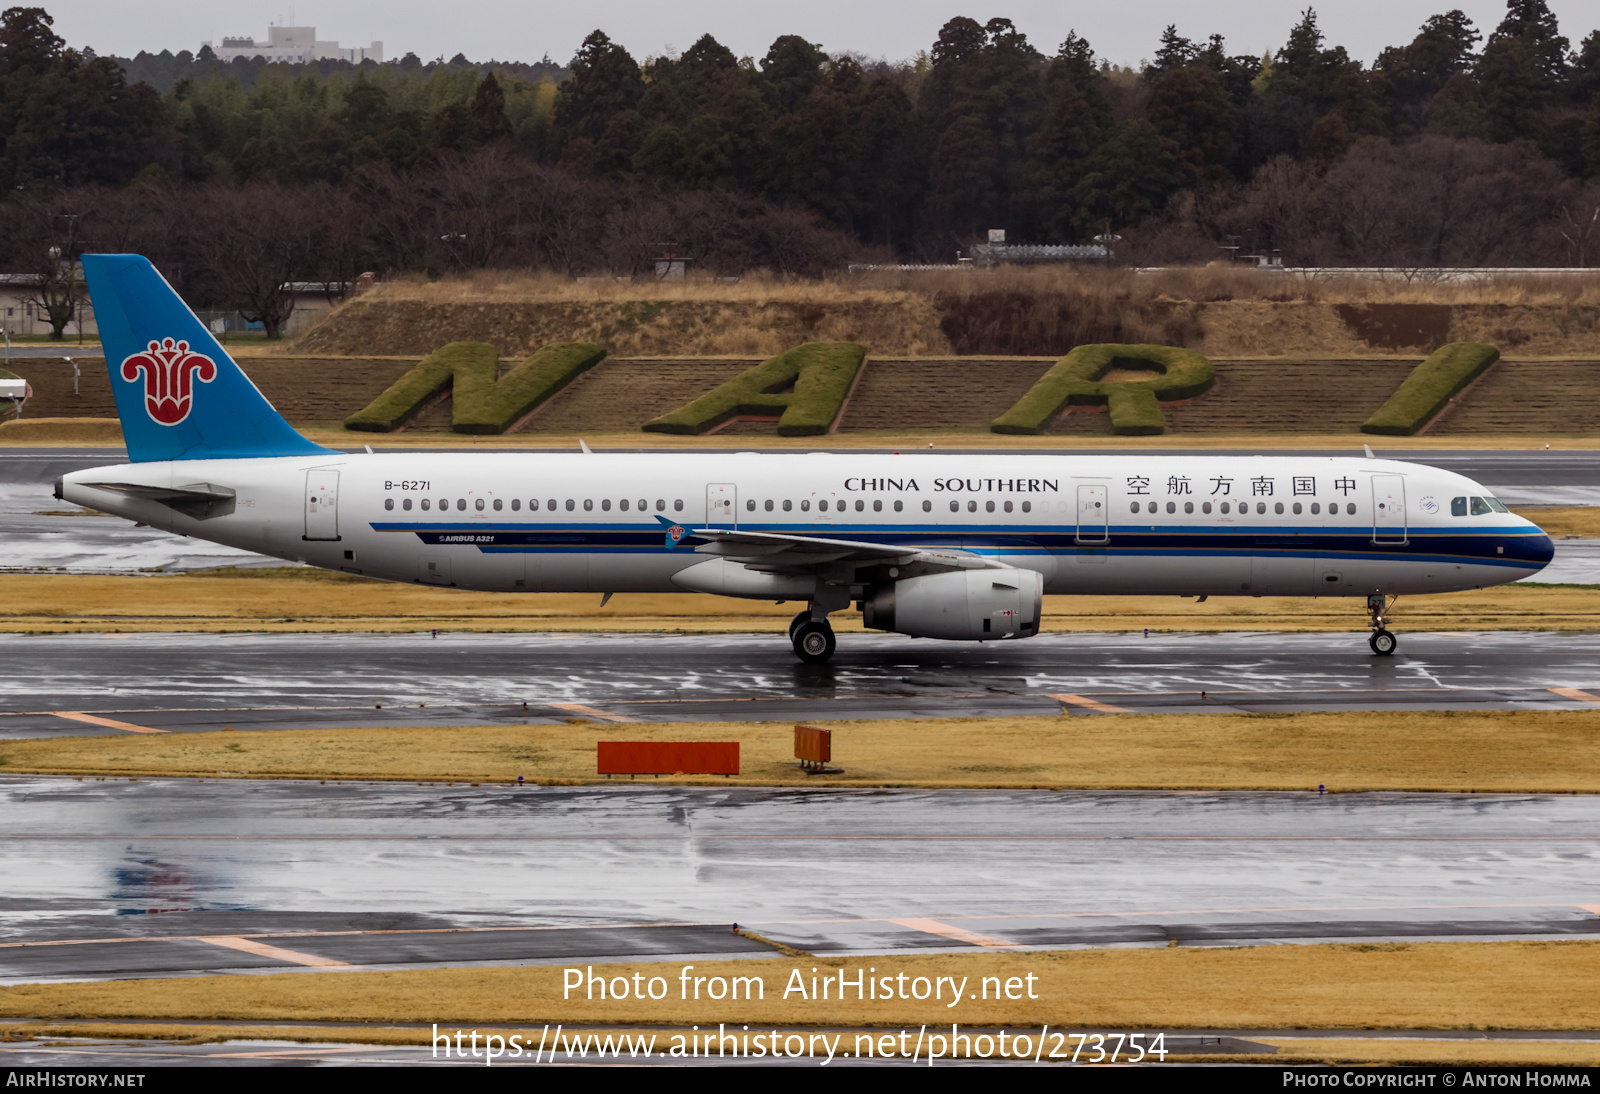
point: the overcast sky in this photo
(1123, 31)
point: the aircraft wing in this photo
(775, 552)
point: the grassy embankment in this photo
(1503, 985)
(1448, 751)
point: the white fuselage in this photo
(1129, 523)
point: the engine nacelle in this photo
(964, 605)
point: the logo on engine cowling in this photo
(170, 370)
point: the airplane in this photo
(947, 545)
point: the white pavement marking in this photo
(591, 712)
(261, 949)
(1090, 704)
(945, 930)
(110, 723)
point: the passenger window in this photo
(461, 504)
(444, 503)
(516, 504)
(588, 504)
(1225, 507)
(769, 505)
(1261, 507)
(749, 506)
(551, 505)
(1205, 507)
(571, 505)
(805, 505)
(822, 506)
(677, 505)
(406, 505)
(1458, 507)
(623, 505)
(927, 507)
(498, 505)
(1027, 507)
(424, 505)
(478, 505)
(899, 506)
(1278, 508)
(643, 505)
(1172, 507)
(1152, 507)
(1351, 508)
(1480, 507)
(1134, 508)
(605, 505)
(972, 507)
(860, 505)
(660, 505)
(388, 503)
(988, 507)
(1188, 507)
(877, 505)
(787, 505)
(1008, 507)
(1316, 507)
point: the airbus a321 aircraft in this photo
(929, 545)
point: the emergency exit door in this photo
(722, 505)
(1094, 515)
(322, 505)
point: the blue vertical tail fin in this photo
(179, 395)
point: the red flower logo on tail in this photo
(169, 371)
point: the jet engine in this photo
(964, 605)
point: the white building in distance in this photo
(296, 45)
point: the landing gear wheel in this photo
(1382, 642)
(794, 624)
(813, 642)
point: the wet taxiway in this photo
(77, 684)
(175, 877)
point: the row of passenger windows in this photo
(553, 504)
(1244, 507)
(877, 506)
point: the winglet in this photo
(676, 533)
(1368, 449)
(586, 449)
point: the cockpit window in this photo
(1480, 507)
(1458, 507)
(1497, 505)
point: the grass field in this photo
(1449, 751)
(300, 599)
(1457, 985)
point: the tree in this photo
(489, 121)
(604, 87)
(1523, 66)
(790, 72)
(1413, 74)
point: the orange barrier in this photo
(812, 744)
(667, 758)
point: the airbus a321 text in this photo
(930, 545)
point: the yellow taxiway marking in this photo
(945, 930)
(1577, 693)
(261, 949)
(111, 723)
(1091, 704)
(591, 712)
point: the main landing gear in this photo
(1382, 639)
(813, 639)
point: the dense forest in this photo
(1458, 147)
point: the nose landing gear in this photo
(1382, 640)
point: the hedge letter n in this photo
(481, 403)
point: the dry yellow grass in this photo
(297, 599)
(1440, 985)
(1500, 751)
